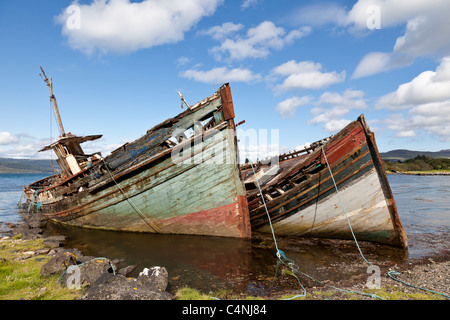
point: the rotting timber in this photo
(301, 196)
(181, 177)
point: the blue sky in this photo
(304, 68)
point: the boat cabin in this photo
(71, 157)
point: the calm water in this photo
(11, 186)
(210, 263)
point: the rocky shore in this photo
(103, 278)
(97, 278)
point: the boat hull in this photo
(191, 188)
(325, 205)
(184, 198)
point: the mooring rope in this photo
(291, 264)
(136, 209)
(390, 273)
(343, 207)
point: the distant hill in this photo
(403, 154)
(9, 165)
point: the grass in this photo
(387, 293)
(187, 293)
(20, 279)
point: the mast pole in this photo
(53, 99)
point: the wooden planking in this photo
(366, 208)
(156, 174)
(308, 207)
(150, 143)
(197, 187)
(319, 182)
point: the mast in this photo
(53, 99)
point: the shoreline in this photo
(419, 173)
(430, 272)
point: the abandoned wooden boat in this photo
(304, 199)
(181, 177)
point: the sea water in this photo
(11, 187)
(213, 263)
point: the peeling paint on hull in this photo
(302, 199)
(183, 186)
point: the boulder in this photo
(155, 278)
(35, 221)
(54, 241)
(88, 272)
(119, 287)
(31, 234)
(127, 270)
(58, 263)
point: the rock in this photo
(58, 263)
(31, 234)
(56, 238)
(52, 244)
(89, 271)
(127, 270)
(42, 251)
(54, 241)
(156, 278)
(36, 222)
(3, 260)
(119, 287)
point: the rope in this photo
(291, 264)
(343, 207)
(136, 209)
(20, 204)
(32, 202)
(390, 273)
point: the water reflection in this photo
(242, 266)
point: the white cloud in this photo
(181, 61)
(221, 75)
(429, 86)
(223, 31)
(426, 100)
(426, 31)
(321, 14)
(256, 43)
(248, 3)
(332, 107)
(433, 118)
(22, 145)
(288, 107)
(123, 26)
(406, 134)
(335, 125)
(8, 138)
(426, 28)
(305, 75)
(372, 63)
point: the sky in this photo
(299, 71)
